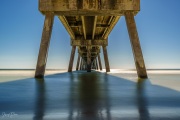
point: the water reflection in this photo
(142, 101)
(40, 99)
(71, 98)
(107, 97)
(82, 95)
(89, 97)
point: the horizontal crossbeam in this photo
(89, 8)
(89, 42)
(79, 24)
(92, 51)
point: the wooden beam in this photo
(84, 54)
(83, 27)
(112, 22)
(89, 42)
(92, 56)
(85, 51)
(67, 27)
(79, 24)
(137, 52)
(77, 66)
(71, 59)
(106, 58)
(45, 40)
(94, 27)
(89, 8)
(102, 26)
(90, 13)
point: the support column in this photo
(88, 59)
(94, 65)
(81, 64)
(106, 59)
(99, 60)
(133, 34)
(71, 59)
(45, 40)
(97, 64)
(77, 66)
(85, 66)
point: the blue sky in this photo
(21, 28)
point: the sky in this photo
(157, 23)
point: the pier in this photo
(89, 24)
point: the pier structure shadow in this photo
(88, 96)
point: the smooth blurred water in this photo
(90, 96)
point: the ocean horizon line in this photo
(112, 69)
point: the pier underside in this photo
(89, 24)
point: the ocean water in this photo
(118, 95)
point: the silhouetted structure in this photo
(89, 22)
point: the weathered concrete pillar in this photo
(45, 40)
(99, 60)
(85, 66)
(92, 65)
(96, 64)
(77, 66)
(133, 34)
(88, 59)
(106, 59)
(81, 64)
(71, 59)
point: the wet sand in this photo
(90, 96)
